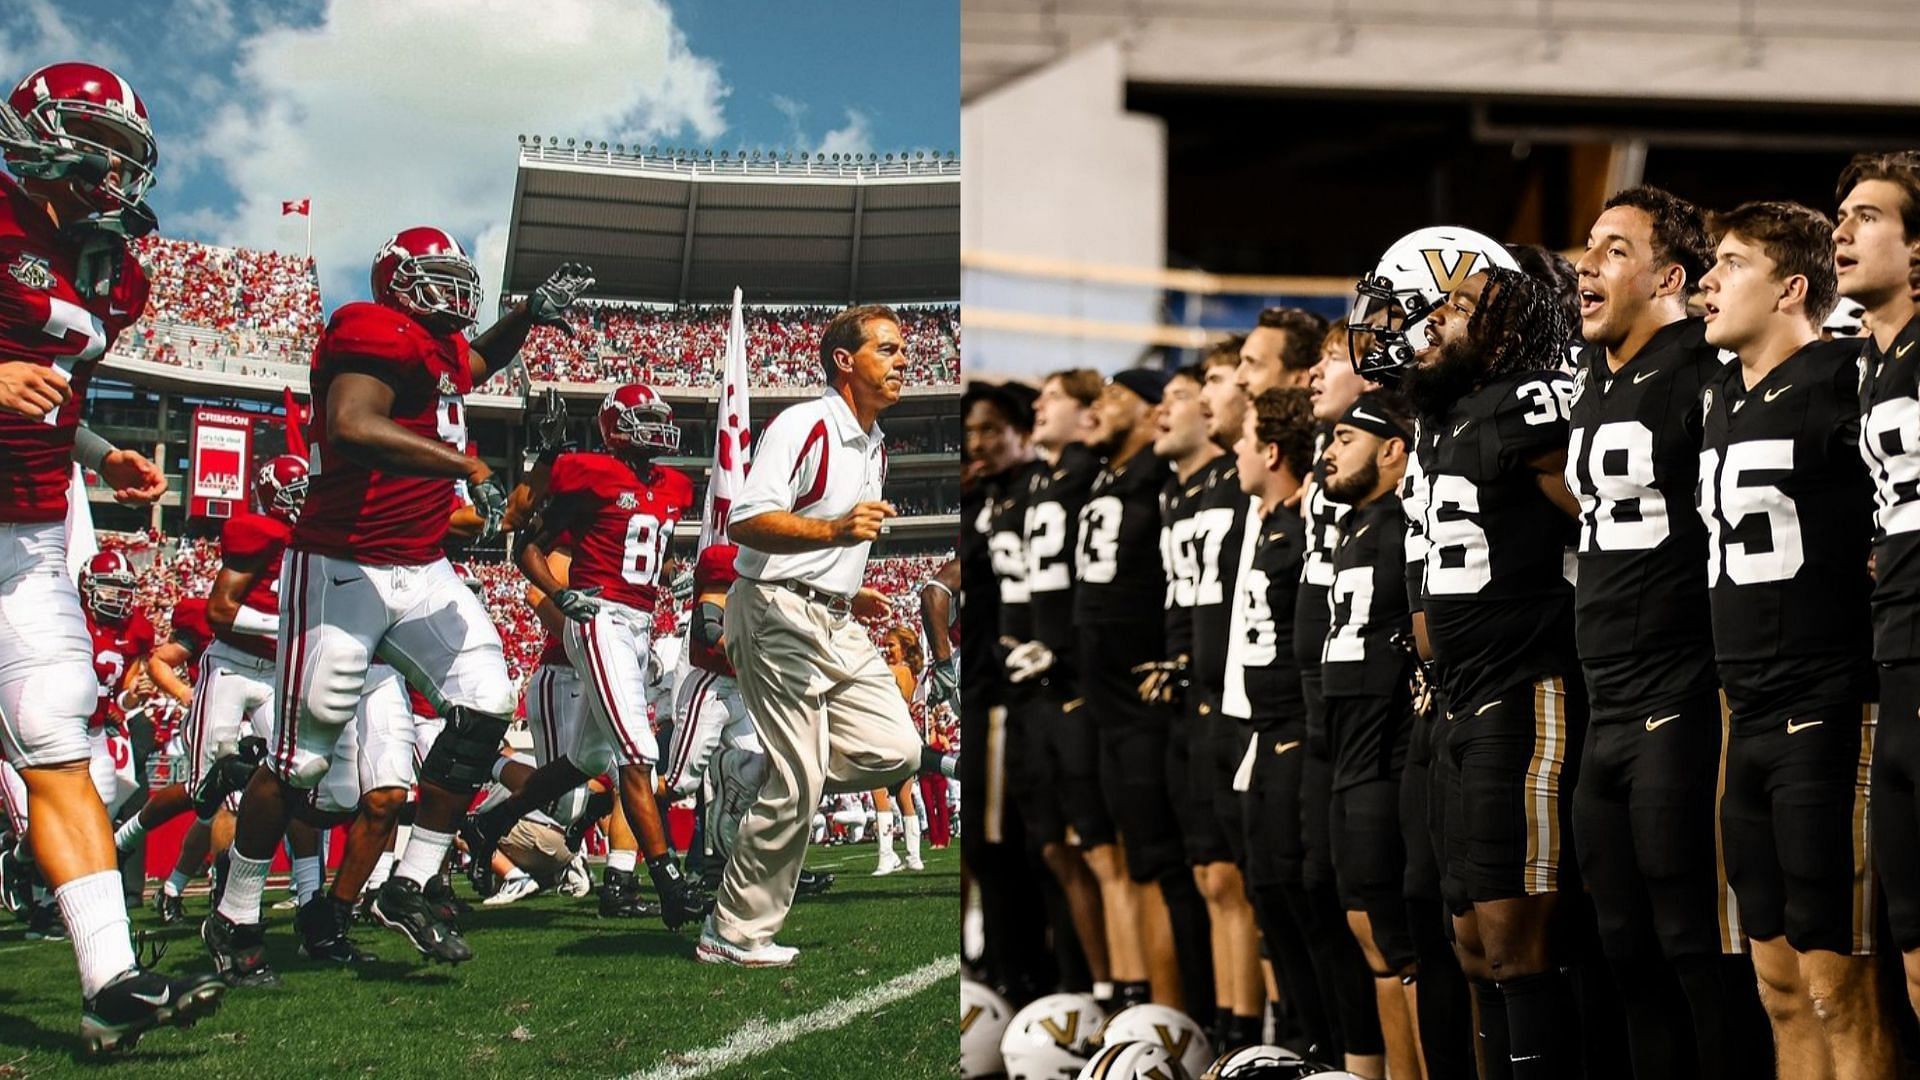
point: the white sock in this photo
(176, 882)
(911, 826)
(517, 875)
(883, 828)
(426, 850)
(622, 859)
(246, 879)
(129, 834)
(95, 910)
(306, 877)
(382, 869)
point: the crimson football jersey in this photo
(711, 575)
(43, 320)
(256, 536)
(621, 523)
(192, 631)
(115, 648)
(368, 515)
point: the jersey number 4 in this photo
(1753, 529)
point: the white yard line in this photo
(757, 1036)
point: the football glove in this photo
(549, 303)
(944, 685)
(490, 501)
(1162, 682)
(1028, 660)
(578, 604)
(546, 416)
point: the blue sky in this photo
(389, 113)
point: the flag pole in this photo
(309, 216)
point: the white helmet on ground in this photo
(1052, 1037)
(1163, 1026)
(1391, 304)
(984, 1016)
(1255, 1063)
(1134, 1061)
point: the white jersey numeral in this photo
(1890, 443)
(1010, 566)
(1728, 500)
(646, 544)
(1612, 476)
(1457, 555)
(1098, 559)
(1550, 401)
(1350, 602)
(1046, 540)
(1262, 634)
(64, 317)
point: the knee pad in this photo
(593, 760)
(337, 676)
(462, 757)
(567, 808)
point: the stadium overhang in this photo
(687, 230)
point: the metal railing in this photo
(534, 150)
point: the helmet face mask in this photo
(280, 487)
(1412, 278)
(424, 272)
(92, 132)
(108, 586)
(635, 421)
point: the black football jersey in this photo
(1413, 507)
(1181, 546)
(1367, 606)
(979, 595)
(1117, 559)
(1788, 507)
(1890, 443)
(1321, 518)
(1498, 603)
(1224, 512)
(1641, 619)
(1006, 537)
(1262, 677)
(1054, 498)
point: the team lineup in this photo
(347, 674)
(1489, 685)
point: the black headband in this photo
(1369, 417)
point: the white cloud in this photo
(854, 138)
(33, 33)
(793, 111)
(389, 115)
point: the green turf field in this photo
(552, 991)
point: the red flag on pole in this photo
(297, 206)
(295, 419)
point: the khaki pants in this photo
(831, 718)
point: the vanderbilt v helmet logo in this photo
(1175, 1042)
(1450, 279)
(1067, 1035)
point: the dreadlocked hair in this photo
(1520, 324)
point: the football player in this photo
(1366, 690)
(1787, 502)
(620, 509)
(1644, 812)
(1118, 610)
(366, 575)
(1261, 692)
(1060, 794)
(189, 636)
(1279, 351)
(123, 643)
(78, 138)
(1180, 438)
(1878, 225)
(1498, 615)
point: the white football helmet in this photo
(1255, 1063)
(1391, 304)
(1134, 1061)
(1052, 1037)
(984, 1016)
(1165, 1027)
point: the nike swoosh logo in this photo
(1282, 748)
(1655, 725)
(340, 580)
(1643, 377)
(1365, 415)
(165, 996)
(1795, 729)
(1482, 710)
(1461, 428)
(1902, 350)
(1776, 392)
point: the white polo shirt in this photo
(813, 460)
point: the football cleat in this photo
(681, 901)
(576, 880)
(402, 906)
(812, 884)
(714, 949)
(511, 890)
(323, 923)
(439, 892)
(167, 906)
(124, 1009)
(239, 952)
(16, 880)
(480, 843)
(620, 898)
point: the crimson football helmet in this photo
(424, 271)
(78, 111)
(280, 487)
(633, 417)
(107, 586)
